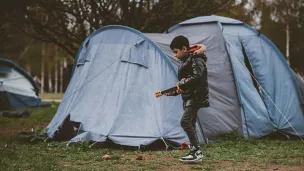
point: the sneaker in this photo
(194, 156)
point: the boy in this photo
(193, 86)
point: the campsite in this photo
(81, 95)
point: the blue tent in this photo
(18, 90)
(118, 69)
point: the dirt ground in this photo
(8, 131)
(174, 164)
(215, 165)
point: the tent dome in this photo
(117, 70)
(111, 93)
(18, 90)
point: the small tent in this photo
(18, 90)
(118, 69)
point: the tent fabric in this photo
(118, 69)
(18, 101)
(251, 111)
(5, 69)
(205, 19)
(279, 90)
(17, 87)
(300, 80)
(224, 113)
(115, 99)
(213, 18)
(252, 105)
(5, 63)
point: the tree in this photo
(282, 22)
(66, 23)
(241, 11)
(286, 12)
(269, 27)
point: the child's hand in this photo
(179, 90)
(158, 94)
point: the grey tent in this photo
(118, 69)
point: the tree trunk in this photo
(65, 63)
(61, 75)
(50, 78)
(287, 42)
(56, 72)
(29, 69)
(42, 68)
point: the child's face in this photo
(180, 53)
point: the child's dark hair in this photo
(178, 43)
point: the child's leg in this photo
(194, 125)
(189, 115)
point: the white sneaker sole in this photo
(191, 161)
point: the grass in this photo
(229, 153)
(38, 117)
(52, 96)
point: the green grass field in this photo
(20, 152)
(51, 96)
